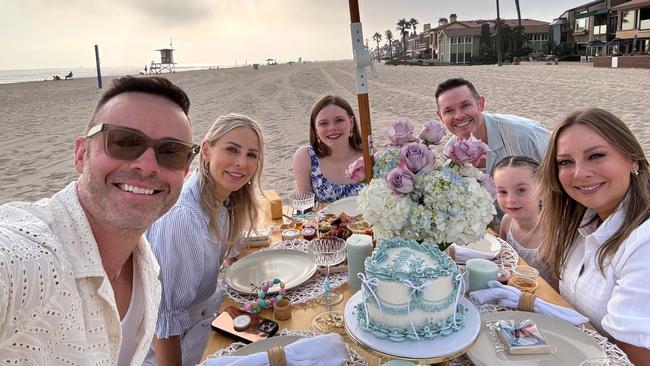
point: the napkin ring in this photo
(527, 302)
(452, 252)
(282, 310)
(277, 356)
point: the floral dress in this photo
(325, 190)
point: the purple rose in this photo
(488, 183)
(400, 132)
(417, 157)
(432, 132)
(466, 151)
(357, 170)
(400, 180)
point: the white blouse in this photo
(57, 305)
(616, 303)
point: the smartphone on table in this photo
(244, 326)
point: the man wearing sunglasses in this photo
(78, 281)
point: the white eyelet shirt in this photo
(57, 305)
(616, 303)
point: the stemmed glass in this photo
(326, 252)
(300, 201)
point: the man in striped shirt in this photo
(460, 108)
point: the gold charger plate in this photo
(572, 346)
(291, 266)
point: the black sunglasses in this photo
(128, 144)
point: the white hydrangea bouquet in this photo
(418, 193)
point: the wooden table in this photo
(303, 314)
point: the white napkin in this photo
(508, 296)
(465, 253)
(324, 350)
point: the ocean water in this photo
(24, 75)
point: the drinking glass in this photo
(326, 252)
(300, 201)
(604, 362)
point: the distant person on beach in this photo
(56, 77)
(596, 187)
(218, 203)
(69, 76)
(460, 108)
(78, 280)
(334, 143)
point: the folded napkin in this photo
(462, 254)
(508, 296)
(324, 350)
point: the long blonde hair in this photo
(243, 205)
(562, 215)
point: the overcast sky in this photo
(62, 33)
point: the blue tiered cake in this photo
(410, 292)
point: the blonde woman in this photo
(596, 213)
(202, 230)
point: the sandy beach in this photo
(39, 120)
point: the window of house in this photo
(627, 22)
(644, 17)
(454, 40)
(468, 40)
(581, 24)
(613, 22)
(452, 58)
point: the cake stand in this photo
(435, 351)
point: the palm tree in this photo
(403, 26)
(518, 13)
(498, 35)
(413, 23)
(442, 20)
(389, 37)
(377, 38)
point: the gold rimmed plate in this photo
(291, 266)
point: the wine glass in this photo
(300, 201)
(326, 252)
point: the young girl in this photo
(517, 194)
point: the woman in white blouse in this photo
(596, 184)
(217, 204)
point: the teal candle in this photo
(480, 272)
(359, 248)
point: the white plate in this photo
(293, 267)
(347, 205)
(264, 345)
(424, 349)
(573, 345)
(489, 244)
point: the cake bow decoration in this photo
(414, 291)
(420, 194)
(461, 284)
(508, 296)
(327, 350)
(366, 285)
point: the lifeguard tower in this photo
(166, 61)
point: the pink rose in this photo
(400, 180)
(357, 170)
(488, 183)
(417, 157)
(466, 151)
(400, 132)
(432, 132)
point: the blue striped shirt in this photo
(509, 135)
(189, 256)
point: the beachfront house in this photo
(458, 41)
(605, 27)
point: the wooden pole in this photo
(364, 108)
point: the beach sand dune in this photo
(39, 120)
